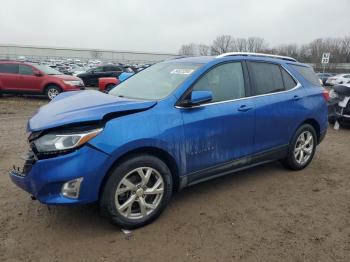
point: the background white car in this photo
(338, 79)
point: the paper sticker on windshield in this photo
(185, 71)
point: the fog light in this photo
(71, 188)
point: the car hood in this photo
(82, 106)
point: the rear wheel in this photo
(109, 87)
(52, 91)
(137, 191)
(302, 148)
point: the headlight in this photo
(73, 82)
(61, 141)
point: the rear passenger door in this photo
(278, 103)
(9, 76)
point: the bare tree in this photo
(256, 44)
(288, 50)
(346, 48)
(222, 44)
(204, 49)
(188, 50)
(307, 53)
(239, 45)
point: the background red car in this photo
(106, 84)
(28, 78)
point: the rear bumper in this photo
(45, 178)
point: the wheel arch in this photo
(51, 84)
(153, 151)
(315, 125)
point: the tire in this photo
(109, 87)
(124, 208)
(52, 91)
(301, 160)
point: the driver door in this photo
(222, 130)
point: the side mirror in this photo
(38, 73)
(198, 97)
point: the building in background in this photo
(38, 53)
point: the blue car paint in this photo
(194, 139)
(123, 76)
(81, 106)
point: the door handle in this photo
(296, 97)
(244, 108)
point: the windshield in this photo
(155, 82)
(47, 70)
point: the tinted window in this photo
(289, 82)
(225, 81)
(308, 73)
(97, 69)
(9, 68)
(25, 70)
(267, 78)
(112, 69)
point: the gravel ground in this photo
(262, 214)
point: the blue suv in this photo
(175, 124)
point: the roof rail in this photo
(257, 54)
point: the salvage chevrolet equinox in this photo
(175, 124)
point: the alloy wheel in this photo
(139, 193)
(304, 147)
(52, 93)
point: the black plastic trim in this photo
(266, 156)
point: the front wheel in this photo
(302, 148)
(137, 191)
(52, 91)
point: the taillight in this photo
(325, 94)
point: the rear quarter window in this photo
(308, 73)
(267, 78)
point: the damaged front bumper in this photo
(46, 179)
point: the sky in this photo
(163, 26)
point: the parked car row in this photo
(331, 79)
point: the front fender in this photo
(154, 128)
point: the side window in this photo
(347, 76)
(117, 68)
(98, 69)
(225, 81)
(112, 69)
(267, 78)
(288, 81)
(25, 70)
(308, 73)
(107, 69)
(9, 68)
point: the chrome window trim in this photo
(298, 85)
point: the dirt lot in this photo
(263, 214)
